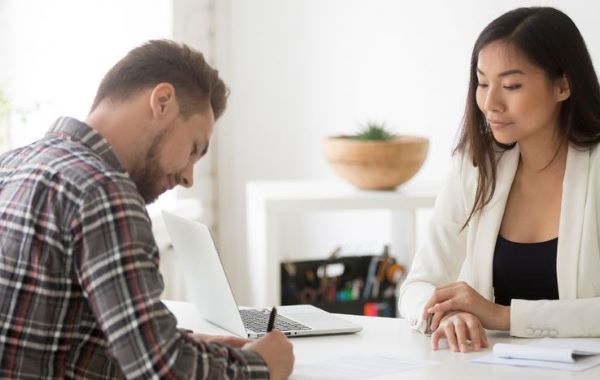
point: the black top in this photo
(524, 271)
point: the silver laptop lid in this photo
(204, 278)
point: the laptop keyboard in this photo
(257, 320)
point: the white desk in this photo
(393, 337)
(265, 200)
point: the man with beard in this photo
(79, 279)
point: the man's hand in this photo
(277, 352)
(232, 341)
(459, 296)
(460, 329)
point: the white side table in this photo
(266, 199)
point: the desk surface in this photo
(393, 337)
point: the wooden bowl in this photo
(376, 165)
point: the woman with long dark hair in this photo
(514, 239)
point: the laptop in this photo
(209, 290)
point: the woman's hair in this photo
(197, 84)
(551, 41)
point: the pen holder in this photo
(361, 285)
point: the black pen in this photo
(428, 330)
(272, 317)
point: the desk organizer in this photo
(360, 285)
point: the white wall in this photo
(54, 53)
(301, 70)
(193, 24)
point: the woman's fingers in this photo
(439, 301)
(432, 301)
(435, 320)
(462, 341)
(435, 339)
(440, 294)
(450, 335)
(443, 307)
(475, 330)
(463, 331)
(455, 297)
(484, 339)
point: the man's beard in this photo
(149, 177)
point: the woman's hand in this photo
(460, 329)
(459, 296)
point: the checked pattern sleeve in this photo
(118, 272)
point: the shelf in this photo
(265, 200)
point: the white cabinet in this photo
(265, 200)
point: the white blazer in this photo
(450, 255)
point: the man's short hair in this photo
(197, 84)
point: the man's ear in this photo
(162, 100)
(563, 88)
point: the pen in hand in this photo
(272, 317)
(428, 330)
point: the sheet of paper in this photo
(581, 346)
(533, 352)
(579, 365)
(562, 354)
(356, 367)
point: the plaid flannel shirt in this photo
(79, 278)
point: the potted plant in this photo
(374, 158)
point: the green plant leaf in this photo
(374, 132)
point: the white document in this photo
(562, 354)
(356, 367)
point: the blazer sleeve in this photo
(573, 318)
(439, 259)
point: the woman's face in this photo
(518, 100)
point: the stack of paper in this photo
(563, 354)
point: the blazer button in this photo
(528, 331)
(553, 333)
(544, 332)
(538, 332)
